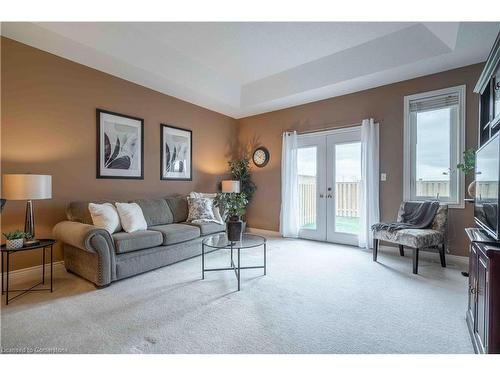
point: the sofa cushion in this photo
(156, 211)
(176, 233)
(179, 208)
(416, 238)
(209, 228)
(144, 239)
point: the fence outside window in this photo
(347, 198)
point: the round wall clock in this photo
(260, 157)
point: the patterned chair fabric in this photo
(418, 238)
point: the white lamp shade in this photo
(230, 186)
(26, 186)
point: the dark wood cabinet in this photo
(471, 309)
(488, 87)
(483, 311)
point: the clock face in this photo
(260, 157)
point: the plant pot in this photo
(14, 244)
(234, 229)
(471, 189)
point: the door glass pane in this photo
(433, 153)
(307, 168)
(347, 187)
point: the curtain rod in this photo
(329, 128)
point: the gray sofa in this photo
(102, 258)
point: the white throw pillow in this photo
(105, 216)
(131, 217)
(217, 216)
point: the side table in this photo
(42, 244)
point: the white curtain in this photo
(289, 224)
(369, 192)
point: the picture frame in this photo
(176, 153)
(120, 146)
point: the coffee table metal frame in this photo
(233, 246)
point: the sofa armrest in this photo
(80, 235)
(92, 239)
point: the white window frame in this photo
(456, 151)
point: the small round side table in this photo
(42, 244)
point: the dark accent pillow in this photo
(178, 207)
(155, 211)
(79, 211)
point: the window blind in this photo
(435, 102)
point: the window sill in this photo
(449, 204)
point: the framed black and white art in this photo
(120, 146)
(176, 153)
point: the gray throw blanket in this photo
(416, 216)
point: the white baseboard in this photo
(33, 272)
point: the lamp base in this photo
(31, 242)
(29, 221)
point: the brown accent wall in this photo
(385, 104)
(49, 127)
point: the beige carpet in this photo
(316, 298)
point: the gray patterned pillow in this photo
(200, 210)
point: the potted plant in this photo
(14, 239)
(240, 171)
(233, 206)
(468, 167)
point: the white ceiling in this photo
(242, 69)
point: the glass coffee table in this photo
(220, 241)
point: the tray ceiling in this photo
(243, 69)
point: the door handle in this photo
(329, 196)
(321, 196)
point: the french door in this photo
(329, 169)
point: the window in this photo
(434, 137)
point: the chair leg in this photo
(415, 261)
(441, 255)
(401, 250)
(375, 249)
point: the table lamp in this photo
(27, 187)
(230, 186)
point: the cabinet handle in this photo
(472, 290)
